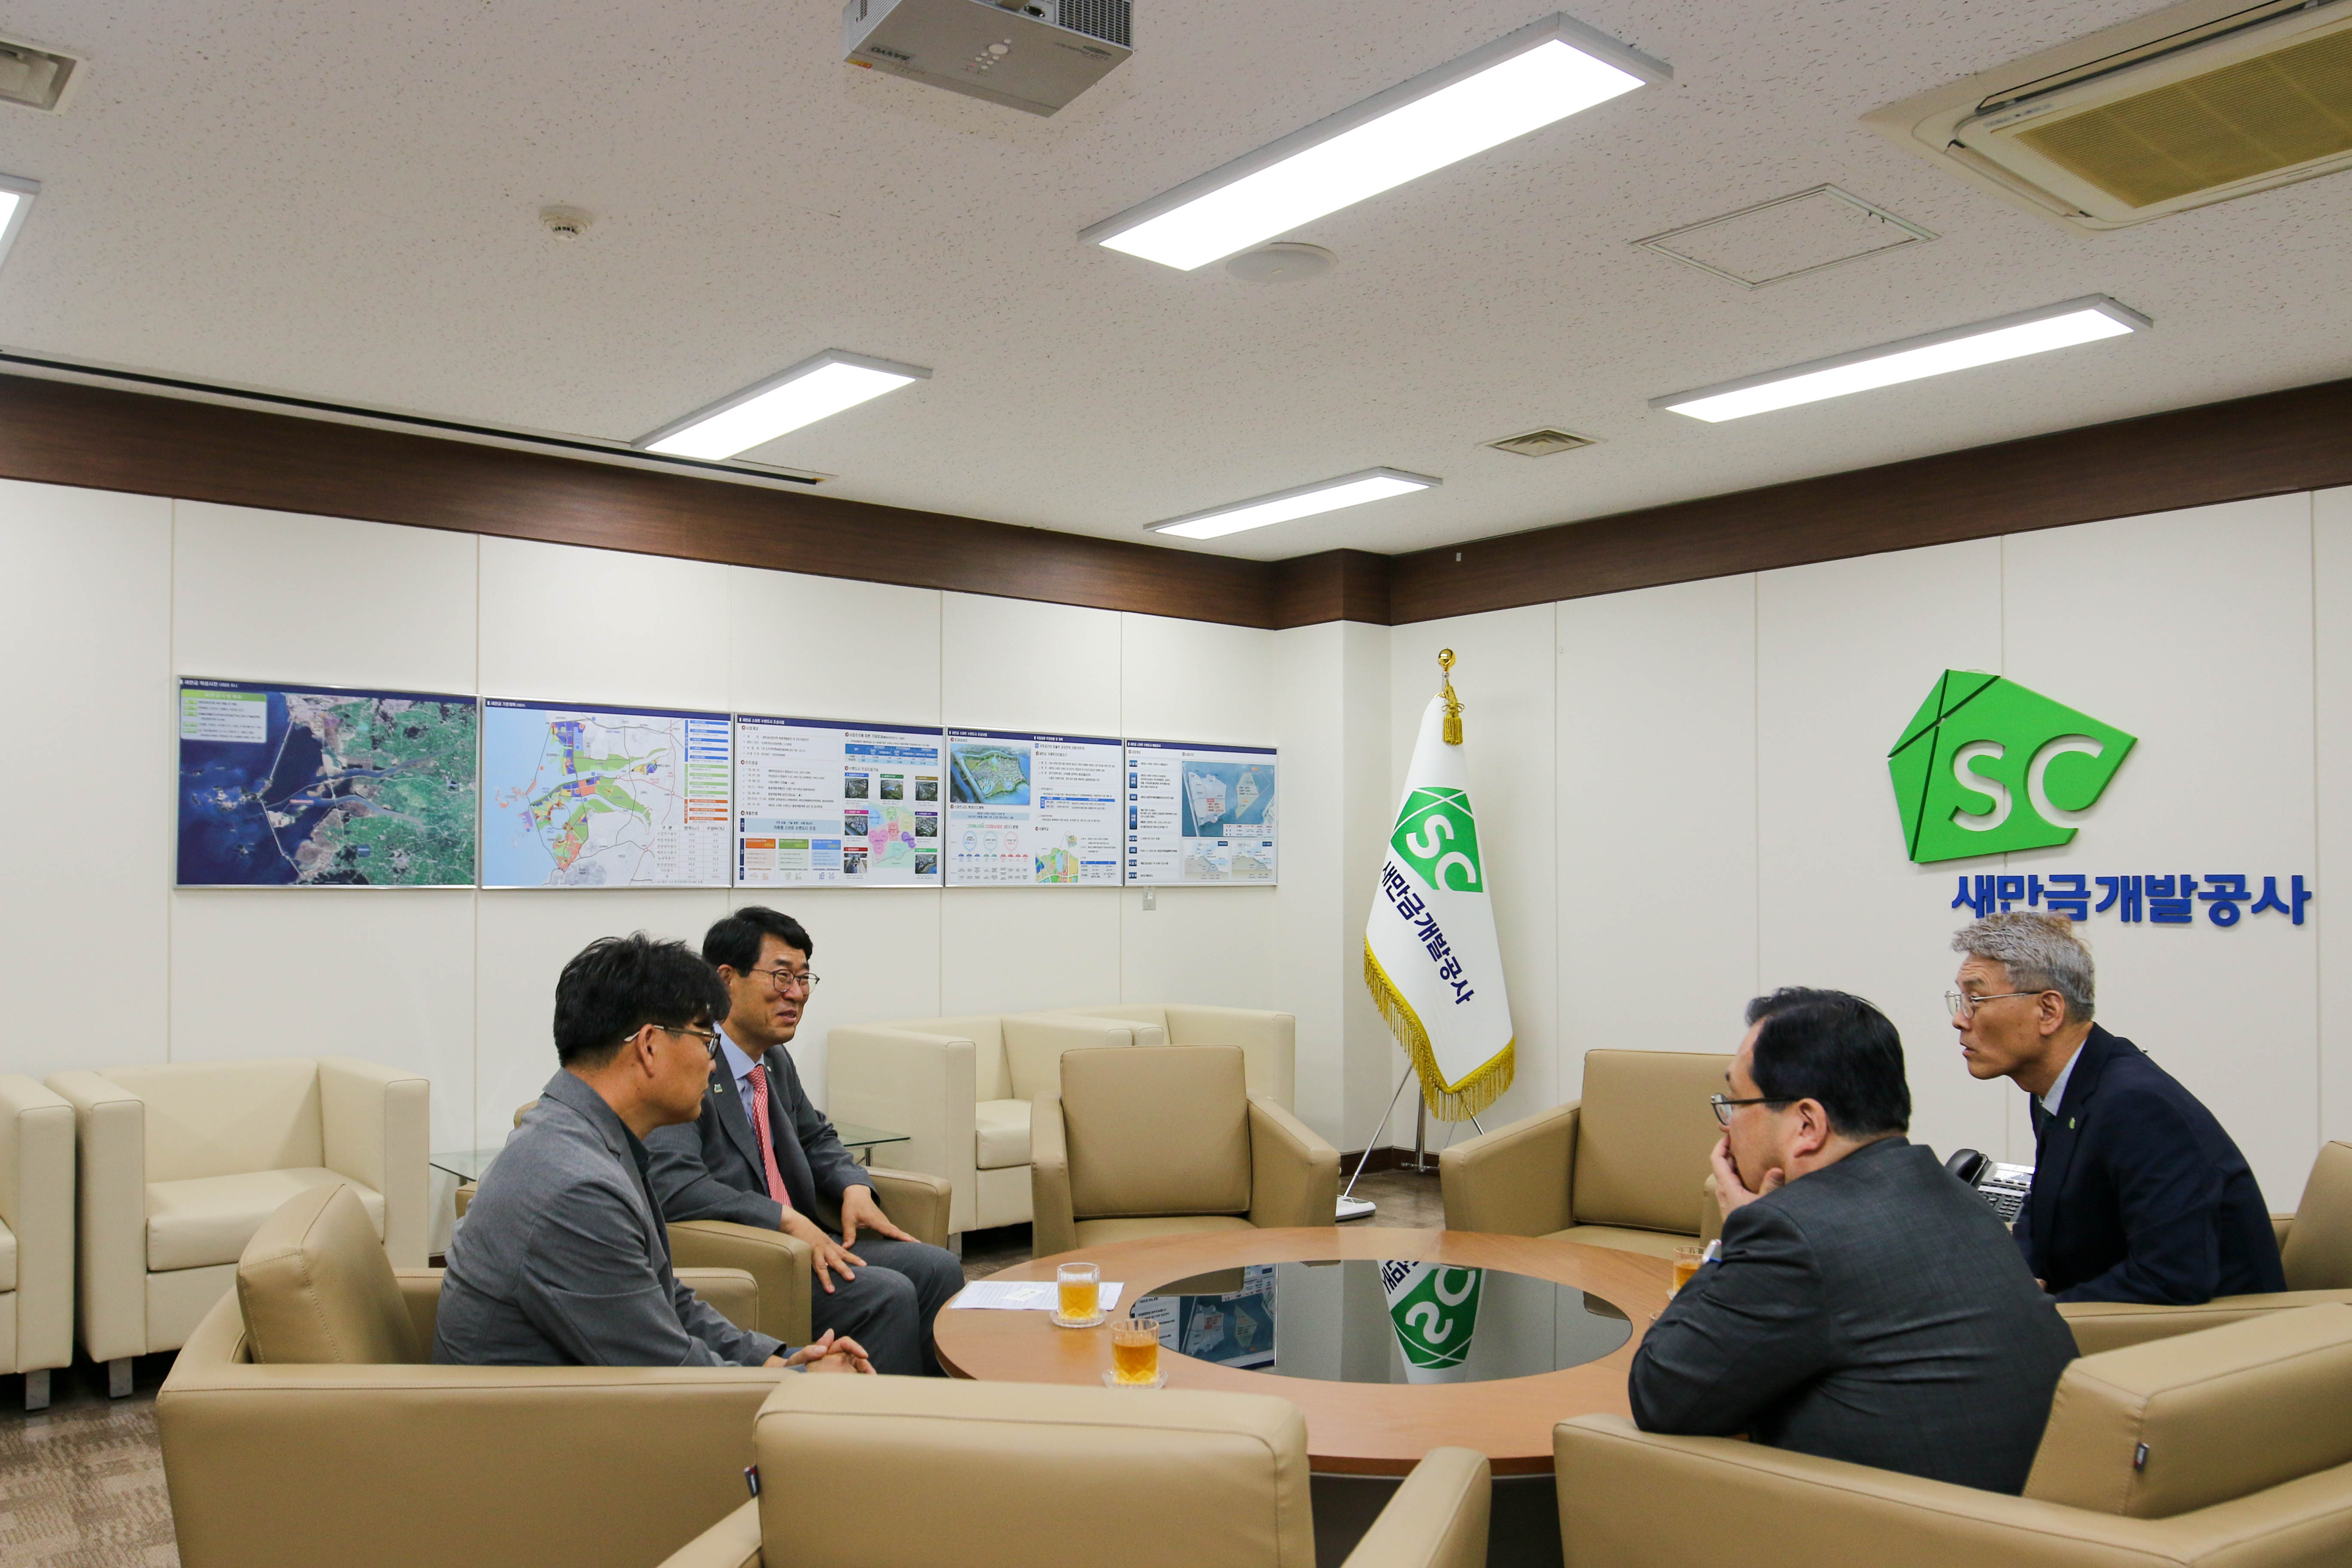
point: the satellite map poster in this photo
(1197, 813)
(582, 796)
(1031, 810)
(325, 786)
(819, 803)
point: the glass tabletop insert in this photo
(1367, 1320)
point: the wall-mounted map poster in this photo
(1200, 814)
(1029, 810)
(325, 786)
(581, 797)
(819, 803)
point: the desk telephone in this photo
(2003, 1187)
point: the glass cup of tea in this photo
(1081, 1291)
(1687, 1263)
(1134, 1351)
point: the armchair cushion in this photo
(2318, 1252)
(315, 1288)
(1156, 1130)
(1002, 1133)
(207, 1220)
(1645, 1133)
(2181, 1423)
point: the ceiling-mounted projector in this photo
(1030, 55)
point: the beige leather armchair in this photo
(179, 1163)
(2315, 1244)
(1011, 1475)
(962, 1090)
(303, 1424)
(1625, 1166)
(2229, 1446)
(916, 1204)
(37, 1231)
(1268, 1041)
(1161, 1140)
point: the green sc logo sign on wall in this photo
(1987, 766)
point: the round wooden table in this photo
(1352, 1428)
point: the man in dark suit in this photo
(1865, 1306)
(2139, 1194)
(759, 1153)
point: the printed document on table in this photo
(1027, 1295)
(1200, 814)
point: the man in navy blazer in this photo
(2139, 1194)
(877, 1284)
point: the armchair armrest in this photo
(733, 1543)
(376, 1124)
(1294, 1174)
(916, 1204)
(110, 1213)
(1517, 1180)
(1710, 1213)
(1053, 1222)
(2110, 1325)
(1436, 1520)
(732, 1291)
(919, 1084)
(2280, 1224)
(779, 1263)
(36, 1204)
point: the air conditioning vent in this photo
(2199, 104)
(1109, 20)
(1541, 443)
(36, 78)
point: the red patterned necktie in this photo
(760, 1128)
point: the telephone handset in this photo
(2003, 1187)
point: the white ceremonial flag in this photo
(1429, 954)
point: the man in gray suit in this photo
(757, 1152)
(1866, 1306)
(564, 1259)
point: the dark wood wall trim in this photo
(66, 433)
(2268, 445)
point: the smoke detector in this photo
(565, 223)
(1541, 443)
(1286, 263)
(34, 76)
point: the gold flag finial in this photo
(1452, 704)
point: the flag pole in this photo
(1357, 1209)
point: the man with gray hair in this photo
(2139, 1194)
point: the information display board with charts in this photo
(325, 786)
(1032, 810)
(1200, 814)
(821, 803)
(581, 797)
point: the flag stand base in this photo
(1352, 1207)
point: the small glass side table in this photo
(863, 1138)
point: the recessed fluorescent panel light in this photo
(803, 394)
(15, 200)
(1330, 495)
(1542, 73)
(2063, 326)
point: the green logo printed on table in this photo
(1437, 837)
(1987, 766)
(1435, 1312)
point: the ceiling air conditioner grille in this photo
(2236, 124)
(1109, 20)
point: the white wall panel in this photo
(1503, 677)
(1011, 664)
(1218, 947)
(1366, 805)
(523, 940)
(277, 595)
(597, 625)
(1656, 807)
(2193, 631)
(85, 622)
(2332, 603)
(1309, 940)
(1194, 680)
(826, 647)
(877, 952)
(382, 973)
(1845, 652)
(1015, 950)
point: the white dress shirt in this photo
(2057, 1095)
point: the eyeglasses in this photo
(789, 979)
(1723, 1106)
(1962, 1004)
(709, 1037)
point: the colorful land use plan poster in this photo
(1032, 810)
(603, 797)
(819, 801)
(323, 786)
(1200, 814)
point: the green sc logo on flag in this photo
(1987, 766)
(1437, 837)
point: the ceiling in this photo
(341, 202)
